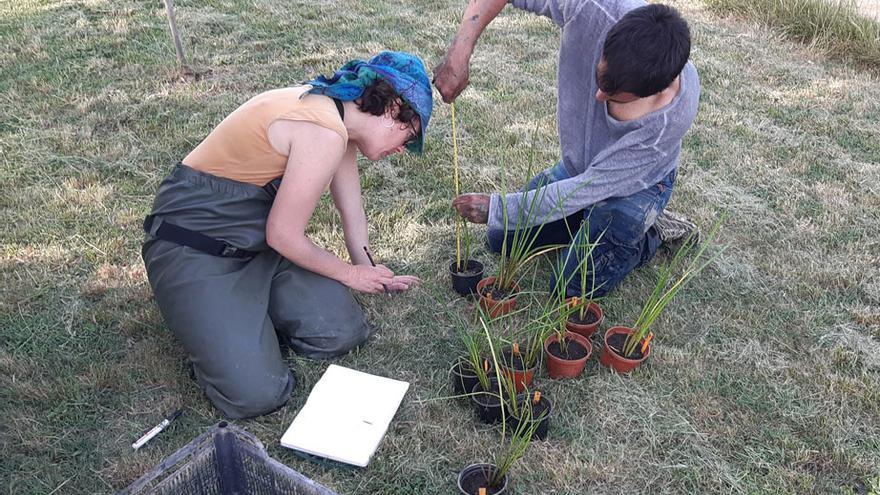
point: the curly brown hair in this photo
(380, 96)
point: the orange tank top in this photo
(239, 148)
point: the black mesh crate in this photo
(225, 460)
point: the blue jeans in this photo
(629, 238)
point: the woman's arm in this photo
(315, 154)
(345, 188)
(346, 191)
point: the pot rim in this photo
(543, 398)
(593, 308)
(477, 393)
(491, 278)
(481, 465)
(580, 339)
(628, 331)
(470, 261)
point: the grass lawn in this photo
(765, 375)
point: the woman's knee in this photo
(239, 398)
(332, 342)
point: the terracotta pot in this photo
(465, 283)
(477, 476)
(587, 330)
(521, 378)
(496, 308)
(611, 359)
(558, 367)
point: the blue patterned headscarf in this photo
(404, 71)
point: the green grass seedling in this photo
(690, 259)
(520, 438)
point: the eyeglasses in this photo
(413, 135)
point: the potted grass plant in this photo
(537, 407)
(588, 315)
(520, 360)
(465, 272)
(488, 394)
(627, 347)
(492, 479)
(567, 352)
(473, 367)
(498, 293)
(518, 365)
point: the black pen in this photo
(156, 429)
(370, 257)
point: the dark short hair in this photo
(380, 96)
(645, 51)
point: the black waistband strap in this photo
(340, 108)
(272, 186)
(190, 238)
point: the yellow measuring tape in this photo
(458, 219)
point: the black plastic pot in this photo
(465, 283)
(486, 403)
(475, 476)
(463, 377)
(544, 425)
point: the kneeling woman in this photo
(226, 251)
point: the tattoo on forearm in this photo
(475, 17)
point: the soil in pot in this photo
(496, 293)
(616, 342)
(477, 476)
(516, 362)
(573, 350)
(465, 281)
(589, 318)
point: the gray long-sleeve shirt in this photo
(604, 157)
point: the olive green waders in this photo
(226, 310)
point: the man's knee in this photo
(495, 239)
(237, 398)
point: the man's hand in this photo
(473, 206)
(452, 75)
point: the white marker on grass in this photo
(156, 429)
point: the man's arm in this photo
(619, 173)
(451, 75)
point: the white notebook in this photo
(345, 416)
